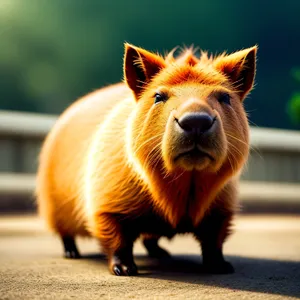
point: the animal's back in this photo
(63, 156)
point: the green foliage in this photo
(53, 52)
(295, 72)
(294, 108)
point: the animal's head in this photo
(189, 111)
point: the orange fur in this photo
(112, 152)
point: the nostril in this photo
(196, 122)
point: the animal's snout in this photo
(196, 123)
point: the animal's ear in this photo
(239, 67)
(139, 67)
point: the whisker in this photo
(231, 163)
(145, 142)
(235, 148)
(155, 158)
(177, 177)
(242, 142)
(234, 137)
(252, 123)
(155, 148)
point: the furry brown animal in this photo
(154, 156)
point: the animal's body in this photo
(154, 156)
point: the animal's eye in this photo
(224, 98)
(159, 97)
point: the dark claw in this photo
(72, 254)
(117, 270)
(223, 267)
(124, 270)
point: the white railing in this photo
(276, 153)
(25, 124)
(38, 125)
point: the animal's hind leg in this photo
(154, 250)
(70, 248)
(61, 219)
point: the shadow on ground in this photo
(252, 274)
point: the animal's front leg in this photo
(121, 261)
(117, 241)
(212, 232)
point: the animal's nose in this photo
(196, 122)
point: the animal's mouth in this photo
(195, 153)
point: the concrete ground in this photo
(265, 251)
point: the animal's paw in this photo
(121, 269)
(72, 254)
(222, 267)
(122, 266)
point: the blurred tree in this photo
(53, 52)
(293, 106)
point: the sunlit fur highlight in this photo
(111, 152)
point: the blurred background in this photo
(53, 52)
